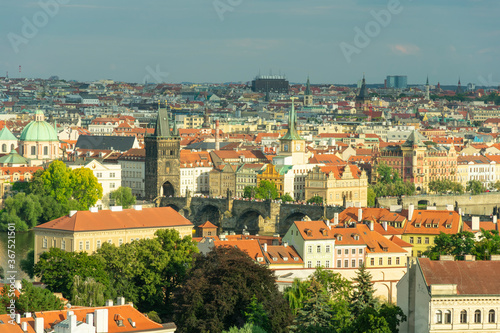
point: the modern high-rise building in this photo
(270, 83)
(397, 81)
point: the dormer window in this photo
(417, 225)
(260, 259)
(427, 225)
(448, 226)
(434, 225)
(308, 232)
(339, 237)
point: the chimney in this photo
(327, 222)
(411, 210)
(285, 244)
(116, 208)
(470, 257)
(460, 211)
(94, 209)
(360, 214)
(24, 326)
(138, 207)
(265, 247)
(18, 318)
(384, 224)
(495, 219)
(109, 302)
(446, 258)
(475, 223)
(336, 219)
(72, 322)
(89, 319)
(495, 257)
(27, 315)
(372, 225)
(72, 212)
(101, 320)
(39, 325)
(120, 301)
(217, 143)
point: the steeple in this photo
(427, 82)
(459, 87)
(363, 91)
(308, 87)
(427, 95)
(292, 133)
(162, 128)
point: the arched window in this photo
(491, 316)
(12, 147)
(4, 148)
(447, 317)
(439, 317)
(463, 317)
(477, 316)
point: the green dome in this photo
(39, 130)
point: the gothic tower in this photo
(308, 98)
(162, 159)
(427, 95)
(362, 99)
(292, 144)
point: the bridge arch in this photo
(288, 221)
(250, 220)
(167, 189)
(210, 213)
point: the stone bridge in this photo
(263, 217)
(480, 204)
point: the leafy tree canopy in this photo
(287, 198)
(475, 187)
(315, 200)
(123, 196)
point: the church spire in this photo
(308, 87)
(292, 133)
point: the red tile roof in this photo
(128, 218)
(471, 277)
(423, 222)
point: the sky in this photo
(331, 41)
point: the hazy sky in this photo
(231, 40)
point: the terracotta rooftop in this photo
(126, 219)
(471, 277)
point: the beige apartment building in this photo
(88, 230)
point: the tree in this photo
(475, 187)
(371, 196)
(86, 189)
(362, 295)
(27, 264)
(496, 185)
(55, 181)
(315, 200)
(56, 268)
(266, 190)
(488, 244)
(37, 299)
(2, 273)
(123, 197)
(22, 210)
(87, 292)
(219, 290)
(287, 198)
(445, 186)
(249, 192)
(457, 245)
(247, 328)
(256, 314)
(387, 175)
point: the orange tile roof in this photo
(250, 246)
(486, 225)
(423, 222)
(128, 218)
(376, 243)
(279, 254)
(207, 224)
(398, 241)
(313, 230)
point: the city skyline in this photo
(231, 41)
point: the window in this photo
(318, 249)
(463, 317)
(380, 261)
(339, 252)
(45, 150)
(411, 240)
(447, 317)
(309, 264)
(353, 251)
(44, 243)
(310, 249)
(360, 262)
(439, 317)
(81, 246)
(491, 316)
(419, 240)
(346, 263)
(372, 261)
(4, 148)
(327, 248)
(120, 241)
(63, 244)
(98, 174)
(111, 185)
(318, 263)
(477, 316)
(339, 263)
(33, 150)
(109, 241)
(353, 263)
(426, 241)
(346, 251)
(112, 175)
(98, 244)
(389, 261)
(397, 260)
(360, 251)
(87, 245)
(327, 264)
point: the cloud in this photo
(408, 49)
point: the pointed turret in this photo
(427, 94)
(308, 88)
(415, 139)
(292, 133)
(459, 87)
